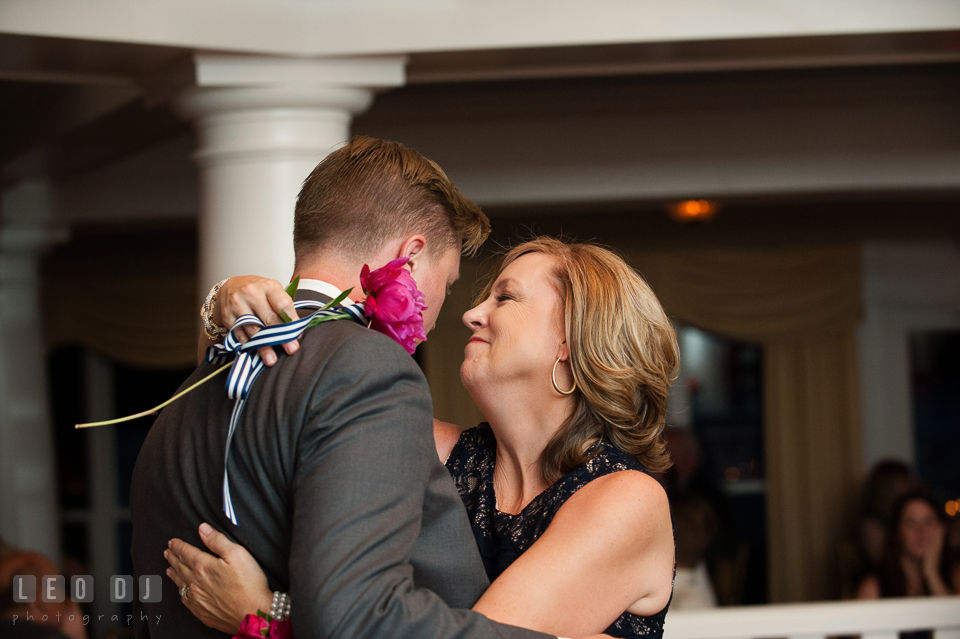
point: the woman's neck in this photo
(523, 426)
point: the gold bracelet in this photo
(212, 331)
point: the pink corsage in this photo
(394, 304)
(262, 625)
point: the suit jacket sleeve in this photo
(362, 469)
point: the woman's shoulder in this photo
(631, 503)
(625, 488)
(613, 487)
(625, 519)
(445, 436)
(606, 461)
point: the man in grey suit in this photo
(335, 482)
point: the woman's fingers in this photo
(281, 303)
(265, 298)
(178, 571)
(217, 542)
(223, 587)
(191, 566)
(190, 562)
(262, 297)
(279, 308)
(236, 573)
(247, 332)
(238, 568)
(180, 581)
(175, 577)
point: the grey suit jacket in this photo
(338, 492)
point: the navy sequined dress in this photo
(502, 537)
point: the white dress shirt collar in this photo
(324, 288)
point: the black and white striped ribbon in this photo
(248, 365)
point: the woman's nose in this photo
(473, 318)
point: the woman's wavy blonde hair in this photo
(623, 354)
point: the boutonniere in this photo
(394, 304)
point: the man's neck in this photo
(343, 271)
(342, 276)
(324, 288)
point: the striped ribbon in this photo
(248, 365)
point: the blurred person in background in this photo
(725, 555)
(887, 482)
(695, 526)
(38, 619)
(916, 561)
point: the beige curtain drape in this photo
(150, 321)
(813, 453)
(803, 306)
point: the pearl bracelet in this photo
(280, 609)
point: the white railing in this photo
(879, 619)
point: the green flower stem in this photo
(328, 318)
(292, 289)
(292, 292)
(153, 411)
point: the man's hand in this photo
(250, 294)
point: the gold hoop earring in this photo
(553, 378)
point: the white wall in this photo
(906, 288)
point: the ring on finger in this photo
(185, 592)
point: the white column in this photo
(104, 512)
(263, 124)
(28, 485)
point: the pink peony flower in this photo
(281, 629)
(394, 304)
(253, 627)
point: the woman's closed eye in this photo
(502, 297)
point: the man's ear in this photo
(413, 247)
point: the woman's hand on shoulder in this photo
(225, 587)
(609, 549)
(252, 295)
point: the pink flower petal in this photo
(394, 303)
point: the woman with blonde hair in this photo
(570, 360)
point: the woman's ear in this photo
(563, 352)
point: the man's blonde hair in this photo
(372, 191)
(623, 354)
